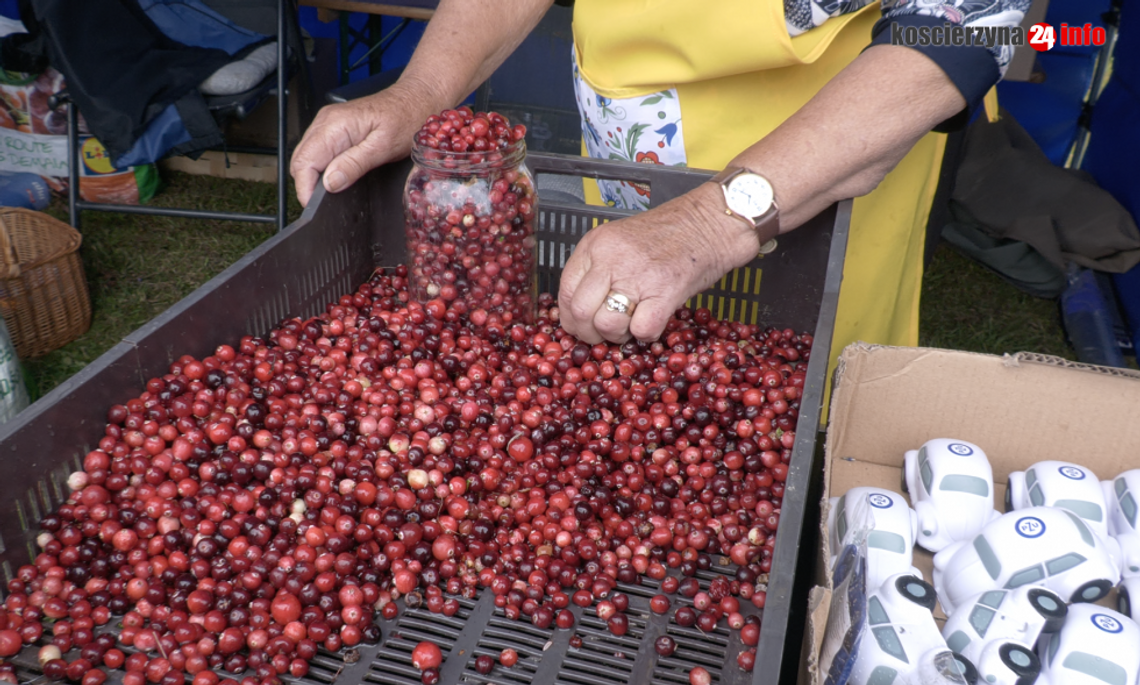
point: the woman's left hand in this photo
(657, 260)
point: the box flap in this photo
(1020, 409)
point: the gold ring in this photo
(616, 302)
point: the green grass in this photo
(965, 306)
(138, 266)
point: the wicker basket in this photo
(43, 292)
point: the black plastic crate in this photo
(334, 246)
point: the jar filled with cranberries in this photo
(469, 208)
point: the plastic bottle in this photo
(1088, 320)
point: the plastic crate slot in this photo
(394, 676)
(505, 637)
(644, 590)
(412, 634)
(596, 663)
(45, 501)
(608, 643)
(691, 636)
(520, 627)
(426, 620)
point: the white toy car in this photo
(1121, 515)
(980, 627)
(903, 642)
(1059, 484)
(1096, 646)
(1120, 495)
(1042, 546)
(890, 526)
(1007, 662)
(951, 485)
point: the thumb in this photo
(650, 318)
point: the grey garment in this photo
(1015, 261)
(1009, 191)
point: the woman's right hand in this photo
(348, 139)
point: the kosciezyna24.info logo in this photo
(1041, 36)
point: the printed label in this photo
(880, 501)
(1030, 527)
(1071, 472)
(1107, 623)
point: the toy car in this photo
(1126, 593)
(889, 524)
(1042, 546)
(1096, 646)
(951, 486)
(1059, 484)
(995, 616)
(903, 641)
(1120, 495)
(1007, 662)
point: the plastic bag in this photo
(33, 138)
(13, 392)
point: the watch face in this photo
(750, 195)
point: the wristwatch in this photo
(749, 197)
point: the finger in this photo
(576, 267)
(305, 181)
(650, 319)
(312, 155)
(588, 297)
(348, 166)
(612, 325)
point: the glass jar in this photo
(470, 224)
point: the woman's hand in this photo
(657, 259)
(463, 44)
(346, 140)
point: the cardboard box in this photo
(1020, 409)
(241, 165)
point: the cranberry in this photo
(508, 657)
(746, 660)
(685, 617)
(484, 664)
(427, 655)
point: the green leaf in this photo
(652, 100)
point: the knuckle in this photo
(580, 311)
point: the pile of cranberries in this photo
(269, 500)
(469, 209)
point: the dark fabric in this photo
(24, 52)
(121, 70)
(1012, 192)
(970, 67)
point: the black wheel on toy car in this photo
(966, 668)
(1123, 601)
(916, 590)
(1008, 498)
(1051, 607)
(1021, 661)
(1091, 591)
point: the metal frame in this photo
(77, 205)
